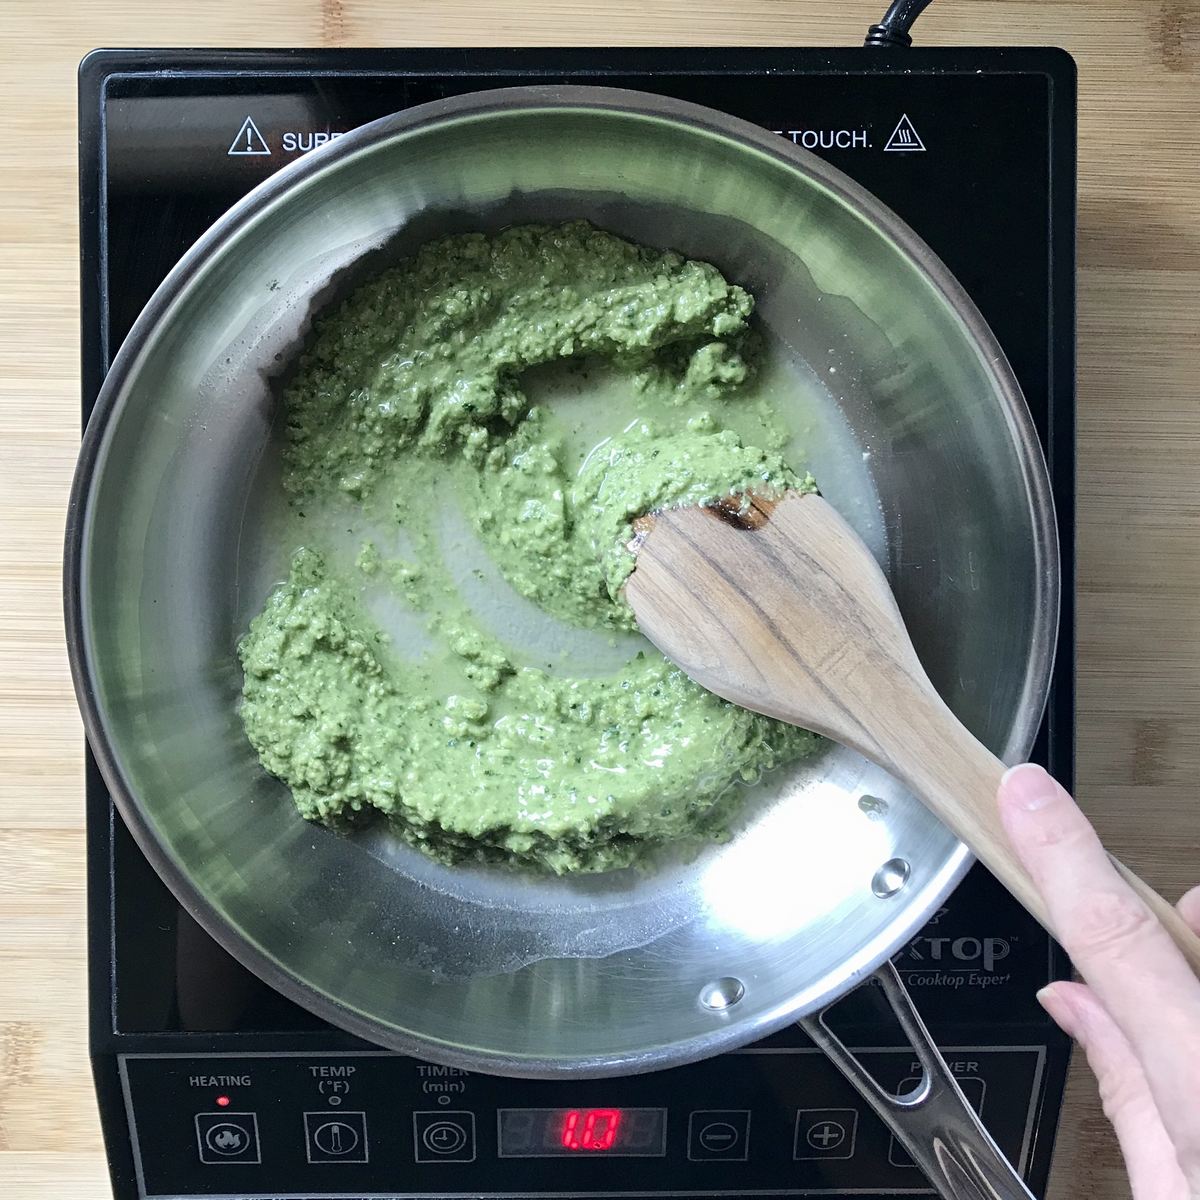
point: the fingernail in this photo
(1189, 907)
(1029, 787)
(1060, 1010)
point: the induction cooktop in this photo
(210, 1083)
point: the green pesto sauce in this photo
(430, 402)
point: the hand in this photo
(1138, 1014)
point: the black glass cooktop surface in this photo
(211, 1083)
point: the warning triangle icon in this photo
(905, 137)
(249, 140)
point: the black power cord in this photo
(897, 21)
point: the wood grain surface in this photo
(1139, 442)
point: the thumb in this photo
(1150, 1158)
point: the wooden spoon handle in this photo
(957, 777)
(777, 606)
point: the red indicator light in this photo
(591, 1128)
(222, 1101)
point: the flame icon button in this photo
(225, 1137)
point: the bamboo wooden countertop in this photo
(1139, 442)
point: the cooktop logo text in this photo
(956, 962)
(987, 952)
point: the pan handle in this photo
(934, 1122)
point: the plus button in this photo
(827, 1134)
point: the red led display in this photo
(583, 1132)
(591, 1128)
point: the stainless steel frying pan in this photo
(920, 436)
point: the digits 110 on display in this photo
(591, 1128)
(582, 1132)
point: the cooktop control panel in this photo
(777, 1120)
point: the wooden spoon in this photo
(778, 606)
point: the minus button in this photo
(719, 1135)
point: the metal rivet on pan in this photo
(875, 808)
(891, 877)
(722, 993)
